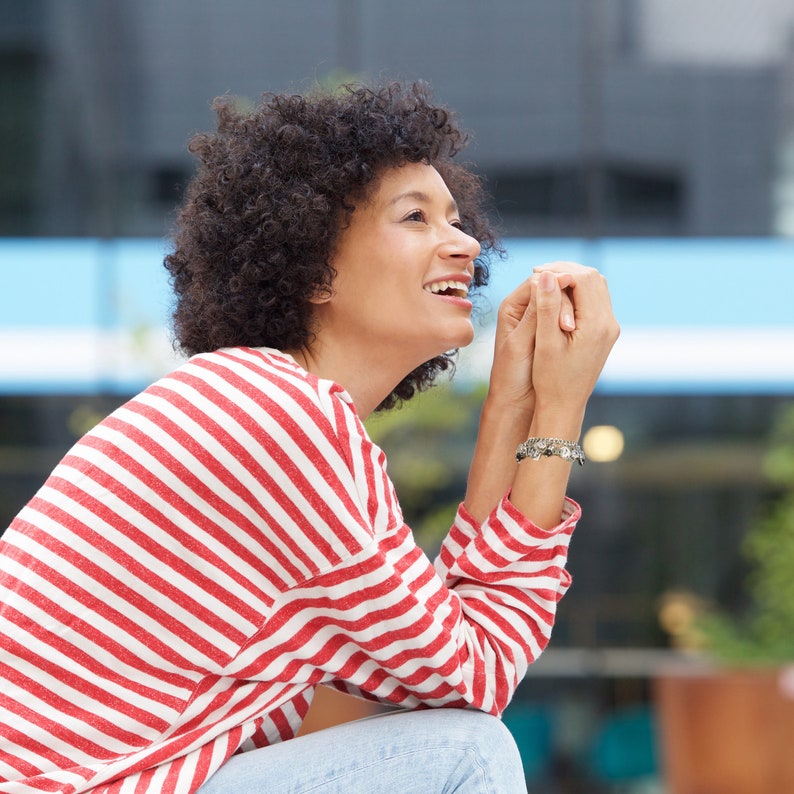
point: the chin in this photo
(452, 342)
(466, 339)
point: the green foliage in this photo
(429, 443)
(243, 105)
(764, 634)
(332, 82)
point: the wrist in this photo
(505, 409)
(557, 422)
(504, 422)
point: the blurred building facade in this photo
(589, 117)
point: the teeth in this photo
(439, 286)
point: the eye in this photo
(417, 216)
(457, 224)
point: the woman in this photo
(229, 539)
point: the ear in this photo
(321, 295)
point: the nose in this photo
(460, 246)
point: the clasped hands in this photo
(553, 335)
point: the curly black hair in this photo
(256, 231)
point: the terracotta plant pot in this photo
(727, 732)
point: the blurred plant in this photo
(764, 633)
(242, 104)
(679, 616)
(332, 82)
(84, 417)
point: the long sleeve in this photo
(388, 625)
(215, 548)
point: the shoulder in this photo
(304, 422)
(265, 386)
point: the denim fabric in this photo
(434, 751)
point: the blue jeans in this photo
(434, 751)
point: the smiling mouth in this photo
(455, 289)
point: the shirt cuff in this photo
(507, 513)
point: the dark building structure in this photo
(587, 120)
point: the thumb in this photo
(549, 300)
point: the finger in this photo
(590, 295)
(549, 302)
(514, 306)
(586, 286)
(562, 267)
(522, 293)
(566, 272)
(567, 313)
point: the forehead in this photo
(418, 181)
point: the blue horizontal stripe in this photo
(79, 283)
(121, 285)
(673, 282)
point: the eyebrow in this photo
(418, 195)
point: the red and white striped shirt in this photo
(218, 546)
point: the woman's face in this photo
(403, 271)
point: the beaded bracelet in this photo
(537, 448)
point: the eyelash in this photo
(419, 217)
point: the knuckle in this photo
(506, 312)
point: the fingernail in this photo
(547, 282)
(568, 322)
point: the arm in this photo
(387, 625)
(382, 620)
(509, 405)
(541, 379)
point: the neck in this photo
(366, 380)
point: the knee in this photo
(494, 746)
(489, 733)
